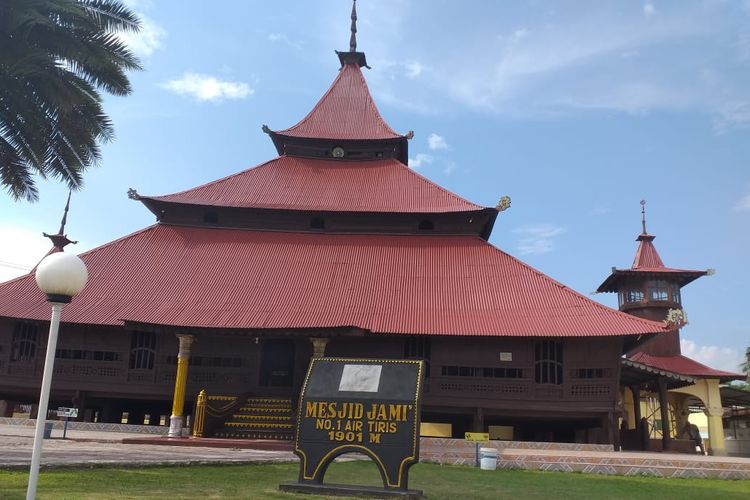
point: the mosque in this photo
(337, 248)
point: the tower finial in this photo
(643, 216)
(60, 240)
(353, 39)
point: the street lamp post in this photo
(61, 276)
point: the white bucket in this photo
(487, 458)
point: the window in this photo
(24, 342)
(419, 348)
(634, 295)
(548, 362)
(588, 373)
(675, 292)
(658, 290)
(142, 350)
(471, 371)
(87, 355)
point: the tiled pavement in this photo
(594, 459)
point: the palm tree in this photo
(55, 55)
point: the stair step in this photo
(261, 417)
(265, 408)
(262, 425)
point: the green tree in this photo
(55, 56)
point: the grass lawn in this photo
(438, 482)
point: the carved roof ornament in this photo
(133, 194)
(643, 216)
(676, 318)
(503, 204)
(60, 240)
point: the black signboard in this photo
(369, 406)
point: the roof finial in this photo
(353, 39)
(643, 215)
(60, 240)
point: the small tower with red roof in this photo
(650, 290)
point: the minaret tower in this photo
(651, 290)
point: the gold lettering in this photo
(375, 438)
(394, 412)
(391, 427)
(322, 423)
(311, 409)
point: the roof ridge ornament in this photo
(643, 216)
(60, 240)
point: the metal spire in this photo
(60, 240)
(353, 39)
(643, 216)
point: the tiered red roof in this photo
(683, 366)
(648, 262)
(385, 284)
(295, 183)
(347, 112)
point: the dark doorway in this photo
(277, 363)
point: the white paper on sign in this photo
(360, 378)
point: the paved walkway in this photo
(95, 448)
(92, 448)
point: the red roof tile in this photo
(684, 366)
(346, 111)
(295, 183)
(401, 284)
(646, 256)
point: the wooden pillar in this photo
(177, 420)
(319, 346)
(666, 438)
(478, 423)
(6, 408)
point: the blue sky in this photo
(576, 110)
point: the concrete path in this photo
(91, 448)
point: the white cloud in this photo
(413, 69)
(27, 249)
(208, 88)
(720, 358)
(537, 238)
(149, 39)
(732, 115)
(519, 34)
(282, 38)
(420, 160)
(436, 142)
(743, 205)
(649, 9)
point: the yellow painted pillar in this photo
(714, 412)
(177, 420)
(319, 346)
